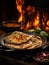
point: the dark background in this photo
(8, 9)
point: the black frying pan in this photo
(25, 51)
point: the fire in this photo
(48, 23)
(37, 21)
(29, 25)
(20, 18)
(45, 22)
(29, 18)
(30, 9)
(19, 4)
(47, 29)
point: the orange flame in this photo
(36, 22)
(48, 23)
(19, 4)
(47, 29)
(20, 18)
(31, 23)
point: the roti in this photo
(17, 37)
(20, 40)
(21, 46)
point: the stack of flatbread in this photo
(20, 40)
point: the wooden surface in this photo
(15, 61)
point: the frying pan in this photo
(25, 51)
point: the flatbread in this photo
(36, 41)
(20, 40)
(17, 37)
(22, 46)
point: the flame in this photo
(37, 21)
(29, 25)
(19, 4)
(31, 21)
(45, 22)
(30, 9)
(47, 29)
(48, 23)
(20, 18)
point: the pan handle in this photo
(45, 45)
